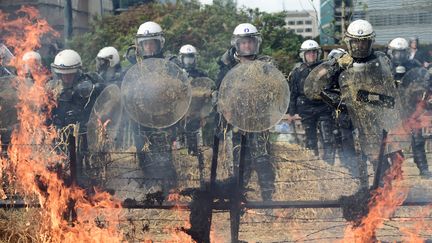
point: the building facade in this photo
(303, 23)
(397, 18)
(335, 16)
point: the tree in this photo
(207, 27)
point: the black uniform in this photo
(192, 126)
(417, 140)
(257, 156)
(344, 137)
(74, 105)
(314, 113)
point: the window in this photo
(291, 22)
(308, 30)
(308, 37)
(308, 22)
(299, 30)
(299, 22)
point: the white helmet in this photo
(66, 61)
(188, 55)
(187, 50)
(309, 45)
(398, 44)
(398, 50)
(149, 31)
(111, 54)
(32, 56)
(359, 38)
(246, 32)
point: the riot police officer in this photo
(315, 114)
(368, 91)
(154, 146)
(399, 54)
(75, 93)
(108, 65)
(245, 44)
(188, 61)
(344, 137)
(75, 90)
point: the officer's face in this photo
(413, 44)
(311, 56)
(247, 45)
(68, 79)
(150, 47)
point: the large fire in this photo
(32, 150)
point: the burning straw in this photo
(30, 167)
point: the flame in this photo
(28, 165)
(385, 200)
(176, 234)
(382, 205)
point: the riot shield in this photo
(201, 103)
(8, 102)
(104, 122)
(253, 96)
(373, 103)
(156, 93)
(6, 55)
(414, 86)
(320, 77)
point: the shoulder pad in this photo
(94, 77)
(265, 58)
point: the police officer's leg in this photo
(262, 164)
(309, 123)
(419, 153)
(326, 126)
(236, 142)
(348, 154)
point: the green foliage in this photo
(207, 27)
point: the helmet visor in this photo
(67, 79)
(360, 48)
(102, 64)
(399, 56)
(149, 46)
(188, 60)
(247, 45)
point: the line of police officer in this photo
(335, 114)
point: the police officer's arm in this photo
(292, 82)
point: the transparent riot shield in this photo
(8, 111)
(253, 96)
(5, 55)
(201, 103)
(104, 122)
(156, 93)
(318, 79)
(413, 88)
(373, 103)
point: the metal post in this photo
(236, 201)
(381, 168)
(68, 24)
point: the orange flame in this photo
(27, 165)
(176, 234)
(385, 200)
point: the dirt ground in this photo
(299, 176)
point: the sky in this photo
(275, 5)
